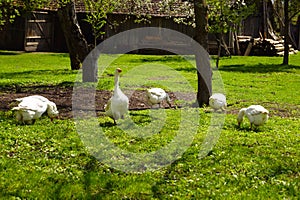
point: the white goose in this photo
(33, 107)
(256, 114)
(117, 105)
(157, 96)
(218, 101)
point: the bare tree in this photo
(201, 36)
(285, 13)
(291, 10)
(76, 42)
(286, 33)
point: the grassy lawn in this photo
(50, 160)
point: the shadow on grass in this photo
(137, 118)
(260, 68)
(158, 58)
(107, 124)
(18, 75)
(9, 53)
(187, 69)
(23, 88)
(140, 118)
(104, 181)
(164, 59)
(255, 129)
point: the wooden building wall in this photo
(42, 32)
(12, 36)
(126, 22)
(39, 31)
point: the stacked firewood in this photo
(262, 47)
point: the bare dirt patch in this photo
(62, 96)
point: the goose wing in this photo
(217, 101)
(33, 97)
(107, 108)
(39, 97)
(156, 95)
(157, 92)
(119, 102)
(256, 110)
(33, 105)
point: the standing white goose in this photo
(33, 107)
(117, 105)
(157, 96)
(256, 114)
(218, 101)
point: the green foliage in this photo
(180, 11)
(294, 10)
(48, 160)
(7, 12)
(97, 14)
(64, 2)
(29, 5)
(225, 15)
(10, 9)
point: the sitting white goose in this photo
(117, 105)
(51, 106)
(157, 96)
(256, 114)
(218, 101)
(33, 107)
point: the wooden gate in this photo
(39, 31)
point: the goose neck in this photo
(241, 114)
(116, 80)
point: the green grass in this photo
(263, 80)
(264, 77)
(50, 161)
(168, 72)
(34, 69)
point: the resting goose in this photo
(38, 97)
(157, 96)
(33, 107)
(117, 105)
(218, 101)
(256, 114)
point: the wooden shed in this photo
(34, 31)
(40, 30)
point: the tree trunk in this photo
(286, 33)
(201, 36)
(265, 16)
(237, 45)
(76, 43)
(219, 52)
